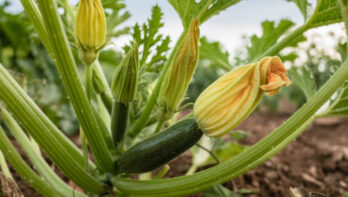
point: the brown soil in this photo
(317, 160)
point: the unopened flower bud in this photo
(229, 100)
(179, 75)
(124, 84)
(90, 29)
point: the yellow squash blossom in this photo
(90, 29)
(180, 73)
(229, 100)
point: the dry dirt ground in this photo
(317, 160)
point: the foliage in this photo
(27, 55)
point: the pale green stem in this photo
(35, 157)
(36, 19)
(84, 148)
(67, 69)
(248, 159)
(141, 122)
(45, 133)
(24, 170)
(4, 167)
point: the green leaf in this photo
(270, 34)
(303, 78)
(302, 5)
(326, 12)
(225, 151)
(213, 51)
(149, 39)
(339, 106)
(189, 10)
(218, 190)
(216, 8)
(238, 135)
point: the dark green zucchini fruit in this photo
(159, 149)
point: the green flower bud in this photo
(229, 100)
(90, 29)
(124, 84)
(179, 75)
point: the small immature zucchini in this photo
(159, 149)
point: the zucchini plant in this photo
(130, 125)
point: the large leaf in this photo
(339, 106)
(214, 52)
(189, 10)
(303, 78)
(270, 35)
(326, 12)
(217, 7)
(218, 191)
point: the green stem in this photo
(36, 19)
(4, 167)
(24, 170)
(107, 100)
(141, 122)
(89, 85)
(84, 149)
(36, 159)
(159, 125)
(248, 159)
(67, 69)
(45, 133)
(119, 121)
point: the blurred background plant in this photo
(22, 52)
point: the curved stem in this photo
(45, 133)
(36, 159)
(23, 169)
(248, 159)
(4, 167)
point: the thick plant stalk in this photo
(246, 160)
(24, 170)
(36, 159)
(67, 68)
(35, 17)
(4, 166)
(33, 121)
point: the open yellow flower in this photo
(229, 100)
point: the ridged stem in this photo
(45, 133)
(67, 69)
(36, 159)
(22, 168)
